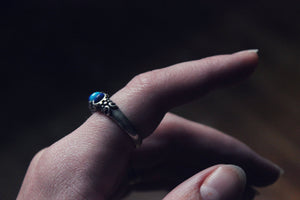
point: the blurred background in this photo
(55, 53)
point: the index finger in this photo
(148, 96)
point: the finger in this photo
(150, 95)
(222, 182)
(179, 148)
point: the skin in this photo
(98, 161)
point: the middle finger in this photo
(179, 148)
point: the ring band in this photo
(99, 101)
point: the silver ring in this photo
(99, 101)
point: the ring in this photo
(99, 101)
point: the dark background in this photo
(55, 53)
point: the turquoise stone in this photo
(96, 97)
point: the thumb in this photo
(220, 182)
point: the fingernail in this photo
(249, 51)
(226, 182)
(281, 171)
(253, 50)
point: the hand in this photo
(99, 161)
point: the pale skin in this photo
(93, 162)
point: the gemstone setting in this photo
(96, 97)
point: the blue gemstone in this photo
(96, 97)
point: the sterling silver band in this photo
(100, 101)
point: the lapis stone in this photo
(96, 97)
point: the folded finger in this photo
(180, 147)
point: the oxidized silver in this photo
(105, 105)
(110, 109)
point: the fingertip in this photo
(220, 182)
(249, 56)
(241, 175)
(264, 172)
(242, 64)
(251, 51)
(189, 189)
(281, 171)
(226, 182)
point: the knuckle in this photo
(37, 172)
(37, 157)
(38, 166)
(144, 82)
